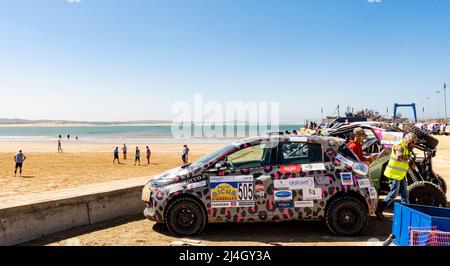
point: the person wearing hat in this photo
(359, 135)
(396, 171)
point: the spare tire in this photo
(430, 141)
(427, 193)
(442, 184)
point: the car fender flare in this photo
(173, 197)
(352, 194)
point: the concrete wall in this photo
(23, 221)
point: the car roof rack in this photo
(275, 133)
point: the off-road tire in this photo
(427, 193)
(430, 141)
(185, 216)
(442, 184)
(339, 209)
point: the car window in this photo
(253, 156)
(300, 153)
(344, 150)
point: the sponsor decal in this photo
(295, 183)
(304, 204)
(288, 169)
(226, 179)
(364, 183)
(221, 204)
(196, 185)
(224, 192)
(175, 187)
(323, 180)
(283, 204)
(283, 198)
(245, 204)
(373, 193)
(390, 138)
(313, 167)
(260, 194)
(343, 159)
(283, 195)
(260, 191)
(298, 139)
(232, 191)
(347, 179)
(312, 194)
(195, 179)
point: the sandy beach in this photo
(82, 164)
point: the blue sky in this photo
(132, 59)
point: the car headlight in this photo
(360, 169)
(146, 193)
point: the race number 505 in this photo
(245, 191)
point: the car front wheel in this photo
(347, 216)
(185, 216)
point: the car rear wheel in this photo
(347, 216)
(185, 216)
(427, 193)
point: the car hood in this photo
(168, 177)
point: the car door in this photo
(233, 189)
(294, 187)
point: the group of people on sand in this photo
(137, 154)
(68, 137)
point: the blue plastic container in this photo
(408, 215)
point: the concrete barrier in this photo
(30, 217)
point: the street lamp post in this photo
(445, 100)
(428, 107)
(437, 93)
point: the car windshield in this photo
(208, 158)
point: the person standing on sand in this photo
(60, 136)
(185, 154)
(59, 147)
(19, 158)
(124, 151)
(116, 155)
(137, 158)
(68, 137)
(149, 153)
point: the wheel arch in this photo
(184, 195)
(352, 194)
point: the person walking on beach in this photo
(149, 153)
(60, 136)
(137, 158)
(59, 147)
(185, 154)
(124, 151)
(19, 158)
(116, 155)
(68, 137)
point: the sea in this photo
(142, 133)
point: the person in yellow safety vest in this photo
(397, 170)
